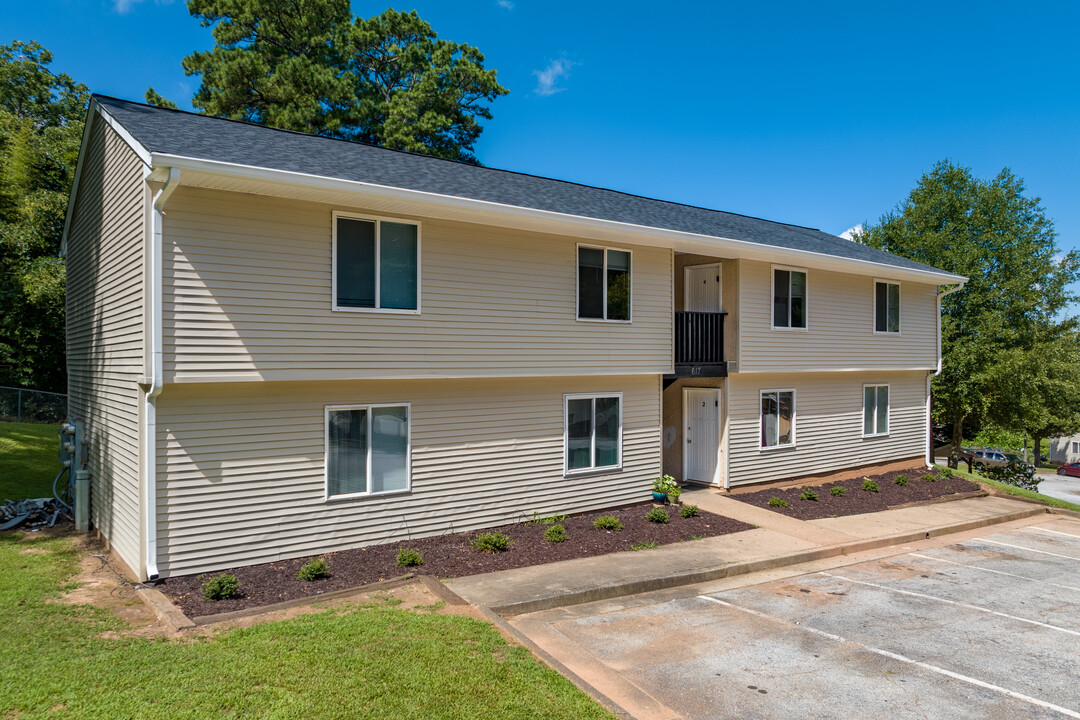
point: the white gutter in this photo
(154, 259)
(930, 376)
(740, 247)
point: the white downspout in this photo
(154, 258)
(930, 376)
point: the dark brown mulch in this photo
(446, 556)
(856, 500)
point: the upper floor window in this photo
(789, 298)
(886, 307)
(603, 284)
(376, 264)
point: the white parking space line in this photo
(953, 602)
(1021, 547)
(996, 572)
(903, 659)
(1056, 532)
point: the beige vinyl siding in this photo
(840, 330)
(247, 296)
(241, 465)
(828, 424)
(104, 264)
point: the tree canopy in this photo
(1013, 304)
(41, 121)
(309, 65)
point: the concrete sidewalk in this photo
(778, 541)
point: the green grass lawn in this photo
(28, 461)
(1019, 492)
(355, 662)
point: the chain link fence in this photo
(31, 406)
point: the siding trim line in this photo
(297, 178)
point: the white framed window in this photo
(592, 432)
(777, 418)
(875, 410)
(376, 264)
(789, 306)
(603, 283)
(368, 450)
(1076, 448)
(886, 306)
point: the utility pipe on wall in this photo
(154, 259)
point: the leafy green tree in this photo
(991, 232)
(41, 121)
(308, 65)
(153, 98)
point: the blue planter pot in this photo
(659, 497)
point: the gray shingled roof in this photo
(207, 138)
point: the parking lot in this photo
(982, 627)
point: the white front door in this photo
(702, 288)
(701, 435)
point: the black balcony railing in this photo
(699, 339)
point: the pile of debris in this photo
(35, 513)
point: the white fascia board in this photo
(93, 111)
(677, 239)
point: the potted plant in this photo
(665, 489)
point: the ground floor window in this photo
(875, 410)
(777, 418)
(593, 431)
(367, 450)
(1076, 447)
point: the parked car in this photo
(1069, 469)
(990, 458)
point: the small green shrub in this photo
(946, 473)
(555, 534)
(493, 542)
(778, 502)
(808, 494)
(314, 570)
(689, 511)
(644, 546)
(838, 491)
(928, 477)
(220, 587)
(1021, 475)
(537, 519)
(658, 515)
(407, 557)
(607, 522)
(870, 485)
(900, 479)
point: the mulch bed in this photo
(446, 556)
(856, 500)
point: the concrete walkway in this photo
(778, 541)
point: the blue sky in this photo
(820, 114)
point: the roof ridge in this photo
(460, 163)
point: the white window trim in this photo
(567, 472)
(378, 220)
(327, 497)
(873, 318)
(888, 410)
(772, 298)
(577, 284)
(794, 417)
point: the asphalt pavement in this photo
(981, 625)
(1062, 487)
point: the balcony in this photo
(699, 344)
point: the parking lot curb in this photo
(664, 582)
